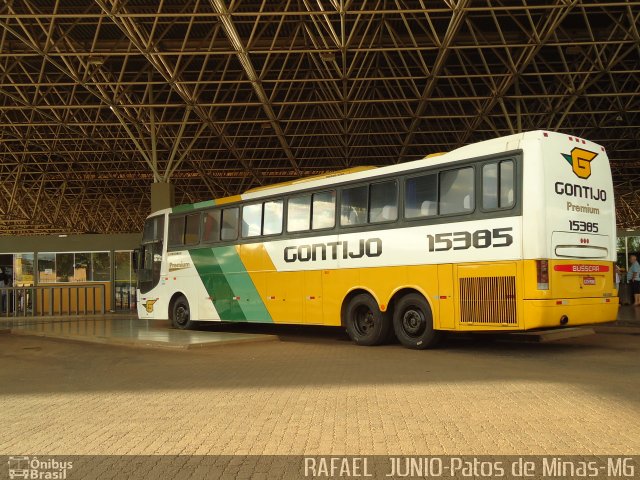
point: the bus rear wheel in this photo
(413, 323)
(365, 323)
(181, 315)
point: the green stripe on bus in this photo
(207, 266)
(182, 208)
(188, 207)
(206, 203)
(225, 277)
(242, 285)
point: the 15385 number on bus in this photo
(497, 237)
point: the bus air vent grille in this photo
(488, 300)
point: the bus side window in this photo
(353, 207)
(229, 224)
(192, 229)
(299, 214)
(383, 198)
(176, 231)
(273, 217)
(324, 210)
(456, 191)
(498, 185)
(251, 220)
(421, 196)
(211, 226)
(490, 186)
(507, 184)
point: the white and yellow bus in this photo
(510, 234)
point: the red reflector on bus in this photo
(581, 268)
(545, 134)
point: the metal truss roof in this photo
(98, 99)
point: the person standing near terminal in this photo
(4, 282)
(633, 277)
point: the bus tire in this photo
(365, 323)
(413, 323)
(181, 315)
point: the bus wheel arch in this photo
(180, 312)
(401, 292)
(348, 297)
(413, 320)
(365, 323)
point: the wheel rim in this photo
(363, 320)
(414, 322)
(182, 315)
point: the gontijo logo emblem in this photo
(580, 161)
(149, 305)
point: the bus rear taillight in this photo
(542, 271)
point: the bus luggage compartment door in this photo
(446, 309)
(487, 296)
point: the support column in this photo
(162, 196)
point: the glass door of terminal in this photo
(124, 281)
(16, 273)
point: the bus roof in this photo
(311, 178)
(479, 149)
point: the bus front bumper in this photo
(569, 312)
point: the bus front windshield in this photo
(151, 254)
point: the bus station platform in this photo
(126, 330)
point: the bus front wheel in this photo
(181, 315)
(413, 323)
(365, 323)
